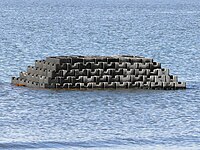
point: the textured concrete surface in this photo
(98, 72)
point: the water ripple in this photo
(106, 119)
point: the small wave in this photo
(106, 144)
(52, 144)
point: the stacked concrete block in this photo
(80, 72)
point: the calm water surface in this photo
(168, 31)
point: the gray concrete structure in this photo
(80, 72)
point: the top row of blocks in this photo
(96, 59)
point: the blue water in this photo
(166, 30)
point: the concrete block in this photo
(111, 65)
(93, 72)
(154, 72)
(155, 65)
(59, 60)
(86, 60)
(30, 77)
(70, 79)
(67, 66)
(147, 72)
(23, 75)
(156, 85)
(172, 85)
(135, 60)
(31, 70)
(89, 79)
(152, 79)
(98, 65)
(136, 73)
(167, 78)
(67, 85)
(35, 78)
(108, 78)
(128, 72)
(147, 60)
(79, 85)
(144, 78)
(37, 70)
(135, 78)
(39, 63)
(61, 73)
(109, 85)
(119, 85)
(160, 79)
(180, 85)
(134, 66)
(79, 79)
(42, 72)
(45, 85)
(81, 66)
(22, 82)
(173, 78)
(128, 65)
(88, 72)
(100, 59)
(124, 59)
(144, 65)
(115, 78)
(100, 72)
(77, 60)
(51, 73)
(119, 72)
(88, 65)
(134, 85)
(81, 73)
(162, 71)
(75, 66)
(124, 71)
(110, 72)
(166, 85)
(47, 80)
(122, 85)
(47, 65)
(32, 84)
(112, 59)
(122, 65)
(70, 73)
(41, 79)
(125, 78)
(105, 65)
(90, 85)
(97, 79)
(146, 85)
(14, 80)
(59, 80)
(99, 85)
(140, 84)
(103, 79)
(55, 67)
(142, 72)
(58, 85)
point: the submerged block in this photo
(98, 72)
